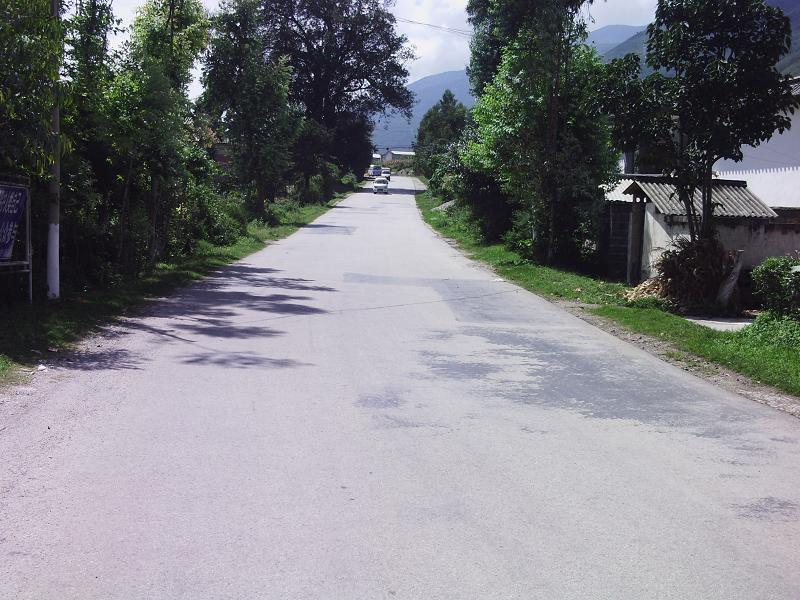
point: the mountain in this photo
(790, 63)
(610, 36)
(395, 133)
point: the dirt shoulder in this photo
(718, 375)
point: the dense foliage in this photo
(28, 36)
(540, 148)
(717, 89)
(146, 172)
(776, 282)
(440, 127)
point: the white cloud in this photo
(436, 50)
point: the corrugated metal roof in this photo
(615, 192)
(795, 83)
(732, 198)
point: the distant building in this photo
(398, 155)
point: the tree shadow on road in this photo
(225, 305)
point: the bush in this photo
(348, 182)
(280, 212)
(225, 219)
(691, 273)
(773, 329)
(778, 286)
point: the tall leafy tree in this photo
(247, 91)
(723, 91)
(513, 126)
(347, 59)
(30, 51)
(440, 127)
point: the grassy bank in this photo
(553, 283)
(29, 333)
(759, 357)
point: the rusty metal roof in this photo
(732, 198)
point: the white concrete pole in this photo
(54, 209)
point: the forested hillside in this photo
(396, 132)
(790, 64)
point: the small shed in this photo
(645, 215)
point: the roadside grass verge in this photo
(774, 365)
(28, 334)
(764, 361)
(547, 281)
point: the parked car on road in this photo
(375, 170)
(386, 172)
(380, 185)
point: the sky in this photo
(439, 51)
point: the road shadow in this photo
(404, 191)
(230, 304)
(110, 359)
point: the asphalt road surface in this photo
(360, 412)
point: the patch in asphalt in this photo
(769, 508)
(323, 229)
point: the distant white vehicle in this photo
(380, 185)
(386, 172)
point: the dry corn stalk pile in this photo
(646, 289)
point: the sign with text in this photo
(13, 201)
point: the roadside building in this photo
(644, 216)
(398, 155)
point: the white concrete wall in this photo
(758, 239)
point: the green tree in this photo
(247, 91)
(554, 181)
(439, 128)
(30, 53)
(723, 91)
(348, 62)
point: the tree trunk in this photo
(154, 215)
(123, 212)
(707, 228)
(551, 145)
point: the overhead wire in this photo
(453, 30)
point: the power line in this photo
(453, 30)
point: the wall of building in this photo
(758, 238)
(782, 150)
(776, 187)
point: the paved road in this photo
(359, 412)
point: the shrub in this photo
(280, 212)
(691, 273)
(224, 219)
(773, 329)
(348, 182)
(778, 286)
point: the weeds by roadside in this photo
(555, 283)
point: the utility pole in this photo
(54, 209)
